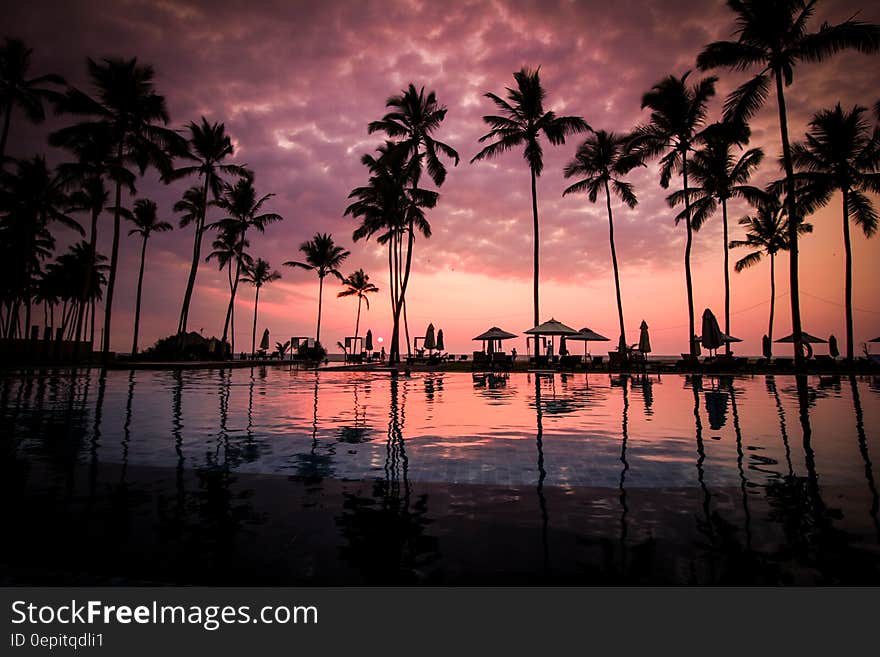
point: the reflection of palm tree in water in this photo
(177, 434)
(740, 457)
(96, 438)
(396, 460)
(542, 474)
(126, 427)
(624, 508)
(314, 465)
(863, 450)
(705, 526)
(771, 386)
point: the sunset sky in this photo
(297, 82)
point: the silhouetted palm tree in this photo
(32, 197)
(227, 249)
(773, 36)
(258, 274)
(17, 90)
(721, 176)
(387, 206)
(413, 119)
(521, 123)
(358, 284)
(678, 113)
(842, 153)
(603, 159)
(129, 111)
(208, 146)
(146, 222)
(64, 279)
(324, 257)
(766, 234)
(240, 201)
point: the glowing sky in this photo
(296, 84)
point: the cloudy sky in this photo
(297, 82)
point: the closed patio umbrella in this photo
(368, 343)
(644, 338)
(264, 343)
(429, 343)
(766, 347)
(712, 337)
(440, 345)
(832, 347)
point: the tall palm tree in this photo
(842, 153)
(773, 36)
(720, 176)
(245, 213)
(678, 113)
(129, 112)
(32, 198)
(227, 250)
(17, 90)
(64, 279)
(323, 256)
(258, 274)
(209, 145)
(414, 116)
(357, 284)
(390, 207)
(146, 222)
(603, 159)
(521, 123)
(766, 234)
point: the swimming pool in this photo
(349, 477)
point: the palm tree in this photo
(17, 90)
(131, 115)
(720, 175)
(603, 159)
(227, 250)
(244, 208)
(678, 112)
(323, 256)
(31, 199)
(521, 123)
(146, 222)
(413, 119)
(842, 153)
(358, 284)
(767, 234)
(773, 35)
(258, 274)
(390, 207)
(209, 145)
(63, 282)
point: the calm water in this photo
(266, 475)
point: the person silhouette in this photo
(382, 355)
(513, 354)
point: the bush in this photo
(192, 346)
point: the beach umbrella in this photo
(712, 337)
(805, 337)
(264, 343)
(586, 335)
(369, 341)
(874, 340)
(493, 335)
(440, 345)
(429, 342)
(551, 327)
(766, 347)
(832, 347)
(644, 338)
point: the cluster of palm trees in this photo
(120, 132)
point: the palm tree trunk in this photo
(87, 282)
(234, 290)
(7, 117)
(395, 335)
(405, 282)
(535, 226)
(92, 327)
(254, 332)
(137, 303)
(793, 223)
(406, 331)
(320, 301)
(772, 296)
(726, 276)
(194, 267)
(357, 323)
(687, 256)
(847, 246)
(621, 345)
(114, 261)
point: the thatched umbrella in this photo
(586, 335)
(492, 336)
(551, 328)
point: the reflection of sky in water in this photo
(456, 427)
